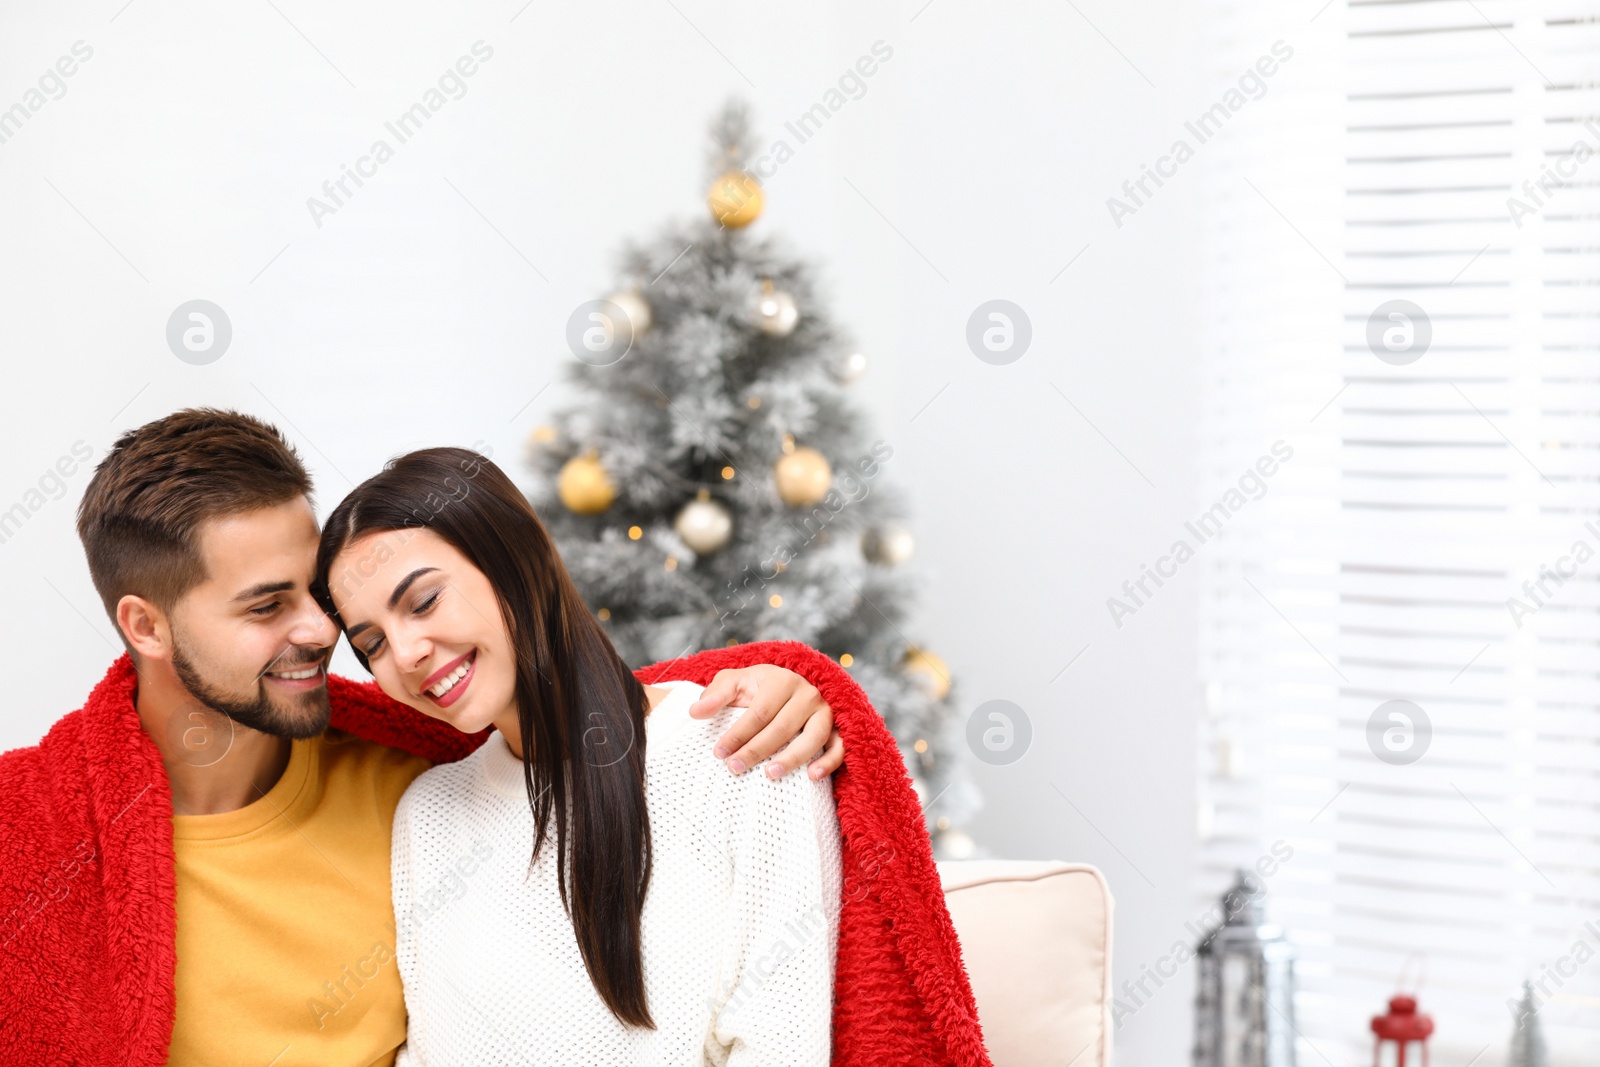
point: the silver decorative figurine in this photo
(1244, 989)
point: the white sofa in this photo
(1036, 939)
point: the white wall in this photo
(178, 163)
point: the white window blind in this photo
(1378, 565)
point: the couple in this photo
(198, 870)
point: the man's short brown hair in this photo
(142, 511)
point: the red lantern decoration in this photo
(1399, 1031)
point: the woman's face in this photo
(429, 624)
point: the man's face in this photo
(250, 642)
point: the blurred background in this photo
(1311, 294)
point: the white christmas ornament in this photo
(954, 845)
(849, 369)
(704, 525)
(776, 313)
(890, 544)
(636, 307)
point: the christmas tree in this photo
(713, 484)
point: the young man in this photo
(194, 865)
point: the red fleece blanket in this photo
(87, 884)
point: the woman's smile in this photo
(446, 685)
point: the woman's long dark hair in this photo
(580, 710)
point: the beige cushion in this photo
(1036, 939)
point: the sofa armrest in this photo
(1036, 940)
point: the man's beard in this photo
(307, 717)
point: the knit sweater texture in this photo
(737, 934)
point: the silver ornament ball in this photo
(849, 370)
(954, 844)
(890, 544)
(704, 525)
(776, 314)
(635, 307)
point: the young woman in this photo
(591, 886)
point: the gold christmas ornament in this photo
(534, 446)
(929, 670)
(849, 369)
(635, 307)
(735, 199)
(803, 477)
(890, 544)
(584, 485)
(704, 524)
(776, 314)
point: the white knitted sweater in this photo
(739, 928)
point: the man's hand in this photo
(784, 709)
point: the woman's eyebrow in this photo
(405, 583)
(394, 597)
